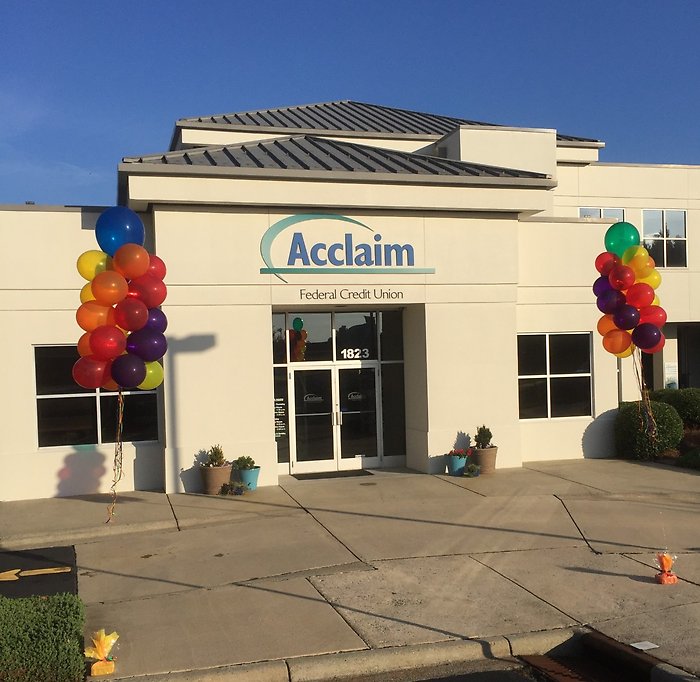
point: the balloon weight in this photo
(117, 226)
(109, 287)
(626, 317)
(618, 238)
(128, 370)
(131, 261)
(154, 376)
(646, 336)
(616, 341)
(89, 372)
(91, 263)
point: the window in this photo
(665, 237)
(554, 375)
(70, 415)
(616, 214)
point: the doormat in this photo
(38, 572)
(333, 474)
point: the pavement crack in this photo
(578, 528)
(172, 509)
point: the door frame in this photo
(337, 463)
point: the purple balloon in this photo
(128, 370)
(646, 335)
(601, 285)
(608, 302)
(157, 321)
(626, 317)
(149, 345)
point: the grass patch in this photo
(41, 639)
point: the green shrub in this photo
(41, 638)
(690, 459)
(661, 396)
(685, 400)
(633, 439)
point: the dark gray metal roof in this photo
(346, 116)
(308, 153)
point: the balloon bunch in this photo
(632, 314)
(119, 313)
(297, 340)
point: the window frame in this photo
(665, 239)
(548, 376)
(601, 211)
(96, 394)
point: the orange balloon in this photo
(109, 287)
(131, 260)
(617, 341)
(643, 265)
(605, 324)
(91, 315)
(84, 345)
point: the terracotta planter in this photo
(214, 477)
(486, 459)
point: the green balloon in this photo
(298, 324)
(620, 237)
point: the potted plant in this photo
(485, 451)
(472, 470)
(216, 470)
(246, 471)
(457, 461)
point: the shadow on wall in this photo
(191, 478)
(598, 440)
(462, 441)
(81, 472)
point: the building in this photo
(349, 285)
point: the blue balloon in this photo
(117, 226)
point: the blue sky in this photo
(83, 84)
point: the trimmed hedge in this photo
(41, 639)
(690, 460)
(632, 432)
(685, 400)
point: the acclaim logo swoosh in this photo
(343, 256)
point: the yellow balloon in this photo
(632, 252)
(154, 376)
(642, 265)
(86, 293)
(91, 263)
(653, 279)
(627, 352)
(656, 301)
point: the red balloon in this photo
(149, 290)
(157, 267)
(653, 314)
(657, 347)
(107, 342)
(89, 372)
(621, 277)
(605, 262)
(131, 314)
(640, 295)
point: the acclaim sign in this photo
(347, 254)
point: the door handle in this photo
(340, 418)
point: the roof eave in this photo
(154, 169)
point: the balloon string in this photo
(117, 467)
(646, 416)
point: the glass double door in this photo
(335, 421)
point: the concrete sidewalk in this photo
(395, 575)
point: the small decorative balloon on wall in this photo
(626, 294)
